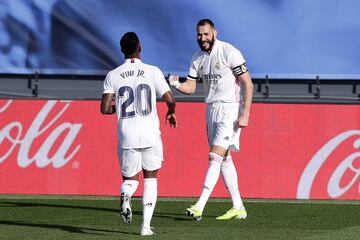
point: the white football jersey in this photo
(217, 71)
(135, 85)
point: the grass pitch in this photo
(56, 217)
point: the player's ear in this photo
(139, 48)
(215, 33)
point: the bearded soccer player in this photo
(135, 85)
(228, 96)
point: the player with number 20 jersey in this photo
(135, 85)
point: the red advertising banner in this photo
(292, 151)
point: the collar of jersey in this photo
(132, 60)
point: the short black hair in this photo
(129, 43)
(205, 21)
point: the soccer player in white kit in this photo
(228, 96)
(135, 85)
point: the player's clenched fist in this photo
(174, 81)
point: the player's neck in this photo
(132, 56)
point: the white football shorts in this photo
(220, 120)
(133, 160)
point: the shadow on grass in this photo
(180, 216)
(71, 229)
(31, 204)
(174, 216)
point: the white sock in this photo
(229, 174)
(211, 179)
(129, 187)
(149, 200)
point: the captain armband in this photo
(241, 69)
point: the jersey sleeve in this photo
(161, 85)
(193, 72)
(108, 88)
(237, 62)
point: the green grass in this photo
(47, 217)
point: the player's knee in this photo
(215, 157)
(150, 174)
(219, 149)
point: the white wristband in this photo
(174, 83)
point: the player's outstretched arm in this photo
(188, 87)
(170, 115)
(106, 106)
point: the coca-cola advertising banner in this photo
(292, 151)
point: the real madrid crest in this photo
(217, 65)
(243, 68)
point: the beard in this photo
(210, 42)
